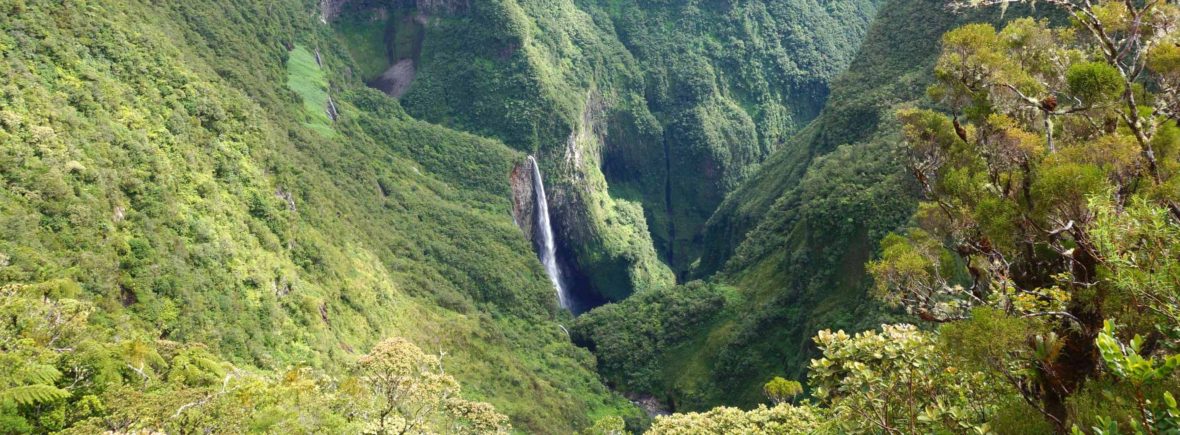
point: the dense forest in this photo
(590, 216)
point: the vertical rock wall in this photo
(524, 203)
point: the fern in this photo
(38, 374)
(33, 395)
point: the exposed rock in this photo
(524, 203)
(652, 406)
(329, 9)
(281, 287)
(127, 295)
(286, 197)
(396, 80)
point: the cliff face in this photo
(329, 9)
(524, 200)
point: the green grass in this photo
(307, 78)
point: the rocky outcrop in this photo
(329, 9)
(396, 80)
(524, 202)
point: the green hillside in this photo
(758, 216)
(156, 158)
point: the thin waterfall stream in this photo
(548, 248)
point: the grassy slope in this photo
(148, 152)
(306, 78)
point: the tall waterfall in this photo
(548, 251)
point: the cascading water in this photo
(548, 251)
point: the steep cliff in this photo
(524, 203)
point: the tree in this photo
(611, 425)
(1051, 132)
(897, 381)
(411, 393)
(780, 390)
(782, 419)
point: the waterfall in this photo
(548, 249)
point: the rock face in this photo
(524, 202)
(396, 80)
(329, 9)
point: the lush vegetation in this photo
(63, 372)
(644, 114)
(1040, 187)
(1041, 253)
(173, 164)
(792, 240)
(211, 222)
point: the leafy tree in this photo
(782, 419)
(411, 393)
(612, 425)
(1055, 137)
(780, 390)
(1126, 362)
(897, 381)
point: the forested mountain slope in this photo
(1037, 269)
(173, 165)
(645, 114)
(218, 182)
(325, 216)
(784, 254)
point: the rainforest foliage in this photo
(847, 216)
(792, 240)
(174, 167)
(1041, 254)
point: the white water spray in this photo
(548, 251)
